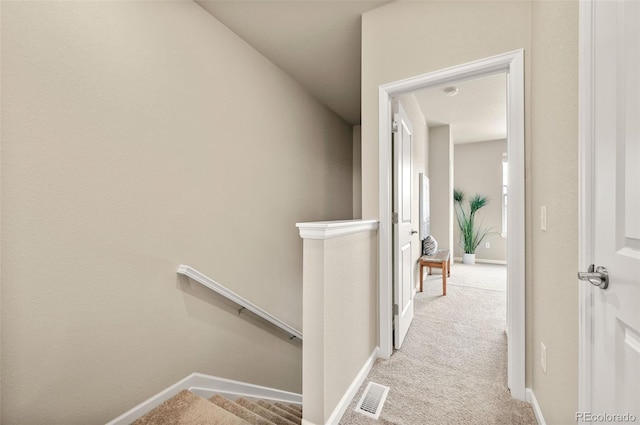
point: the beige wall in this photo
(340, 311)
(404, 39)
(420, 145)
(137, 136)
(441, 185)
(350, 318)
(478, 169)
(553, 181)
(357, 172)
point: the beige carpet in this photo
(186, 408)
(452, 366)
(482, 276)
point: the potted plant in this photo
(471, 235)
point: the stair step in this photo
(279, 411)
(295, 412)
(265, 413)
(186, 408)
(240, 411)
(296, 407)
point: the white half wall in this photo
(340, 310)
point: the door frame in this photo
(512, 64)
(586, 221)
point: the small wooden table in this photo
(441, 259)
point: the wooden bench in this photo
(441, 259)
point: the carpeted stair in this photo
(186, 408)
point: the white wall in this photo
(405, 39)
(478, 169)
(137, 136)
(340, 310)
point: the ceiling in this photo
(316, 42)
(477, 113)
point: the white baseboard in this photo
(346, 399)
(207, 386)
(482, 261)
(501, 262)
(531, 398)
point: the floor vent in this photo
(372, 400)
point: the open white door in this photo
(403, 236)
(610, 328)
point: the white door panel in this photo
(631, 136)
(615, 311)
(403, 235)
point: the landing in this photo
(452, 368)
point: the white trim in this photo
(484, 261)
(334, 229)
(204, 280)
(206, 386)
(481, 260)
(385, 231)
(531, 398)
(516, 229)
(346, 399)
(513, 65)
(585, 199)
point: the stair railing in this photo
(206, 281)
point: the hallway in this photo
(452, 366)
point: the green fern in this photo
(470, 235)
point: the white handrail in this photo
(204, 280)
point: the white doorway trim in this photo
(512, 64)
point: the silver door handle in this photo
(598, 277)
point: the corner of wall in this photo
(357, 171)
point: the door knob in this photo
(413, 232)
(596, 276)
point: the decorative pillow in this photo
(429, 245)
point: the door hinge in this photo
(394, 126)
(394, 218)
(396, 309)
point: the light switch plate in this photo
(543, 218)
